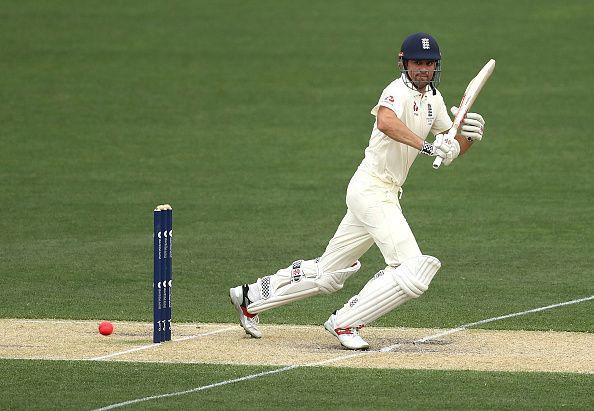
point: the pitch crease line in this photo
(233, 381)
(340, 358)
(146, 347)
(490, 320)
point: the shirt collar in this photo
(414, 92)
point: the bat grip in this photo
(437, 162)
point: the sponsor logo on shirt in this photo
(429, 115)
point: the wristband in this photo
(427, 149)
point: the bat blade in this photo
(470, 94)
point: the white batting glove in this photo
(445, 147)
(473, 125)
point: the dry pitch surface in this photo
(284, 345)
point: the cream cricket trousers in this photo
(373, 216)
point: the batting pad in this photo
(387, 290)
(300, 280)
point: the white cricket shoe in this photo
(248, 321)
(348, 337)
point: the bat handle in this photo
(451, 134)
(437, 162)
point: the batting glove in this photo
(473, 125)
(445, 147)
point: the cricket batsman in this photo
(409, 108)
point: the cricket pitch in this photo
(283, 345)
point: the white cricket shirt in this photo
(388, 159)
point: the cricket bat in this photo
(470, 94)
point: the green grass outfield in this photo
(107, 383)
(250, 118)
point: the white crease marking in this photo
(149, 346)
